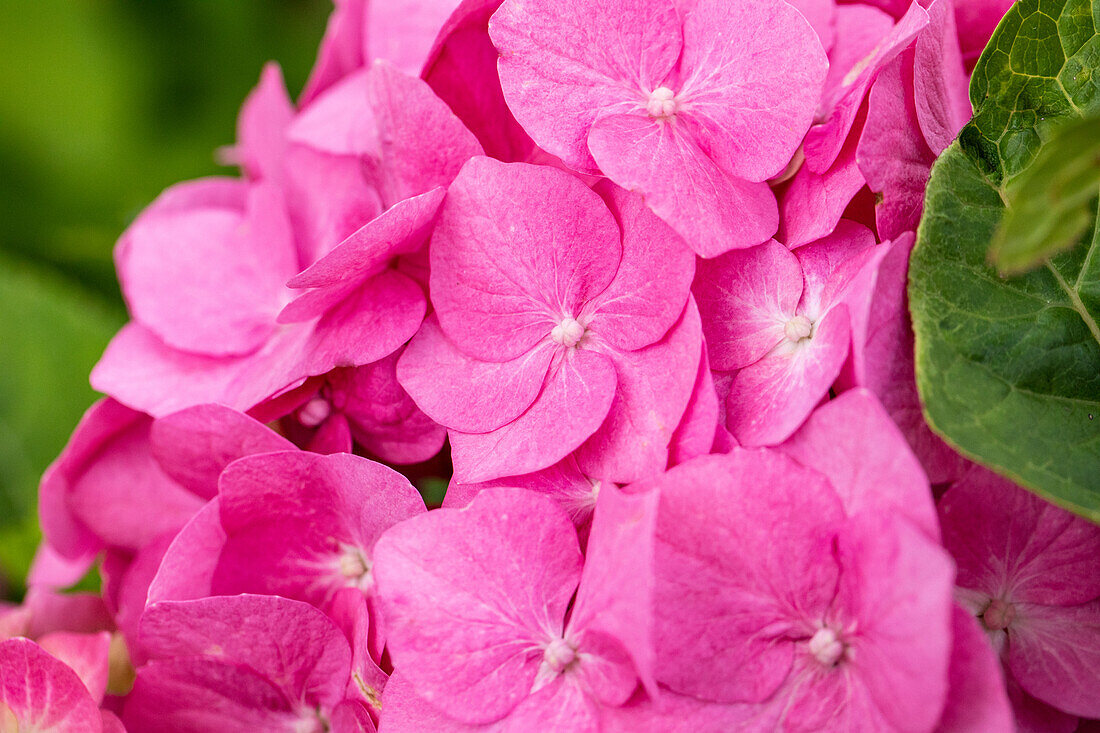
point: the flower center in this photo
(798, 328)
(314, 412)
(354, 566)
(559, 655)
(998, 615)
(826, 647)
(568, 333)
(662, 103)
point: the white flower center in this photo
(798, 328)
(354, 566)
(826, 647)
(662, 103)
(568, 333)
(559, 655)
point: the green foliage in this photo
(102, 105)
(1009, 368)
(1051, 204)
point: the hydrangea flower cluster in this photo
(631, 274)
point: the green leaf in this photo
(51, 334)
(1052, 202)
(1009, 368)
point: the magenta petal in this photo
(852, 442)
(1054, 653)
(653, 386)
(494, 393)
(404, 711)
(209, 280)
(41, 693)
(262, 124)
(711, 210)
(501, 276)
(647, 296)
(694, 435)
(187, 570)
(752, 75)
(556, 86)
(448, 572)
(940, 82)
(574, 401)
(824, 141)
(615, 597)
(194, 445)
(771, 398)
(402, 229)
(292, 644)
(745, 297)
(976, 699)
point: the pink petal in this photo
(209, 280)
(1054, 653)
(852, 442)
(463, 614)
(615, 597)
(194, 445)
(293, 645)
(653, 386)
(402, 229)
(85, 654)
(745, 297)
(821, 15)
(493, 393)
(41, 693)
(55, 611)
(770, 399)
(1035, 716)
(711, 210)
(976, 20)
(403, 31)
(713, 603)
(501, 277)
(343, 49)
(976, 698)
(554, 83)
(647, 296)
(694, 435)
(842, 101)
(262, 124)
(574, 401)
(752, 74)
(832, 267)
(187, 570)
(940, 82)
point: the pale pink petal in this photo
(647, 296)
(832, 267)
(722, 579)
(466, 618)
(940, 83)
(403, 31)
(653, 386)
(752, 73)
(694, 435)
(351, 716)
(343, 49)
(292, 644)
(745, 298)
(85, 654)
(192, 446)
(574, 401)
(41, 693)
(209, 280)
(503, 277)
(976, 698)
(564, 64)
(842, 101)
(852, 442)
(493, 393)
(711, 210)
(770, 399)
(821, 15)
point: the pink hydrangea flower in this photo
(569, 328)
(693, 109)
(477, 602)
(293, 524)
(784, 321)
(1031, 573)
(837, 617)
(243, 663)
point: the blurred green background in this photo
(103, 103)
